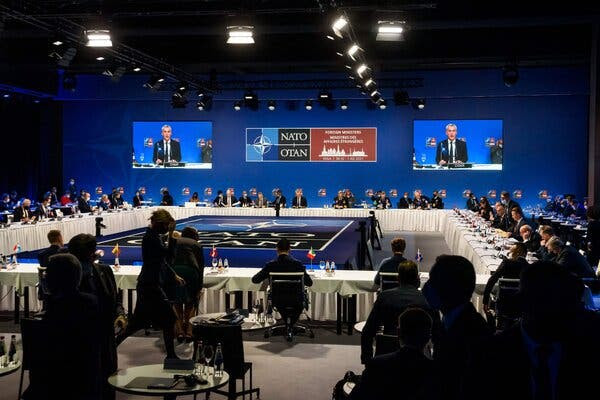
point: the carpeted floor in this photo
(308, 369)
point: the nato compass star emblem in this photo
(262, 145)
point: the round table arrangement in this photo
(10, 369)
(121, 379)
(249, 324)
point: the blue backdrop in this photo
(544, 122)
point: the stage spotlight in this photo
(325, 96)
(369, 82)
(344, 104)
(204, 103)
(308, 105)
(178, 99)
(271, 105)
(161, 79)
(237, 106)
(353, 51)
(67, 57)
(419, 104)
(339, 25)
(361, 69)
(390, 31)
(240, 35)
(115, 72)
(382, 104)
(98, 38)
(251, 100)
(69, 81)
(99, 58)
(57, 42)
(401, 98)
(136, 69)
(510, 75)
(329, 37)
(183, 86)
(6, 96)
(153, 82)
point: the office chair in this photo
(385, 344)
(388, 280)
(230, 337)
(508, 307)
(288, 299)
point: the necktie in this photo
(168, 150)
(541, 374)
(452, 152)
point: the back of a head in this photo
(189, 232)
(550, 297)
(283, 246)
(161, 216)
(54, 236)
(519, 249)
(555, 244)
(63, 274)
(408, 274)
(453, 279)
(398, 245)
(414, 327)
(82, 246)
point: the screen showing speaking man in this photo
(172, 144)
(457, 144)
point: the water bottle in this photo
(220, 264)
(13, 349)
(225, 264)
(219, 361)
(332, 267)
(327, 267)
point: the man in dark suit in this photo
(280, 200)
(546, 233)
(449, 289)
(261, 201)
(406, 373)
(436, 201)
(72, 189)
(207, 151)
(137, 199)
(518, 222)
(593, 234)
(43, 210)
(299, 200)
(98, 280)
(283, 263)
(405, 201)
(390, 264)
(83, 202)
(219, 200)
(451, 150)
(496, 152)
(53, 195)
(508, 203)
(531, 239)
(166, 150)
(390, 304)
(501, 219)
(245, 201)
(23, 213)
(420, 201)
(570, 258)
(229, 200)
(472, 204)
(116, 201)
(340, 201)
(56, 244)
(549, 353)
(382, 202)
(167, 199)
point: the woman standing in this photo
(189, 264)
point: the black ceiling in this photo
(290, 35)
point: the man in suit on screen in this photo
(451, 150)
(166, 150)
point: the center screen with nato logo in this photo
(311, 144)
(443, 145)
(172, 144)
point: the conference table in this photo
(329, 293)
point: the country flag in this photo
(419, 256)
(116, 250)
(311, 254)
(213, 252)
(17, 248)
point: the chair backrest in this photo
(34, 342)
(287, 290)
(388, 280)
(385, 344)
(230, 337)
(507, 302)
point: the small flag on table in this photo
(419, 256)
(213, 252)
(116, 250)
(311, 254)
(17, 248)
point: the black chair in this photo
(288, 299)
(34, 342)
(230, 338)
(508, 307)
(385, 344)
(388, 280)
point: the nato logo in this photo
(120, 189)
(430, 142)
(518, 194)
(260, 144)
(200, 142)
(208, 191)
(492, 194)
(253, 191)
(466, 193)
(393, 192)
(463, 139)
(185, 191)
(490, 142)
(369, 192)
(142, 189)
(322, 192)
(148, 142)
(164, 189)
(543, 194)
(98, 189)
(274, 191)
(442, 193)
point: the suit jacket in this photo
(340, 203)
(437, 202)
(442, 152)
(386, 203)
(44, 212)
(508, 269)
(574, 262)
(84, 205)
(593, 238)
(159, 151)
(511, 204)
(496, 154)
(283, 263)
(386, 310)
(516, 227)
(20, 213)
(45, 254)
(219, 201)
(137, 201)
(261, 204)
(231, 199)
(104, 206)
(420, 203)
(279, 202)
(156, 259)
(472, 204)
(389, 264)
(245, 201)
(207, 154)
(189, 252)
(456, 349)
(404, 374)
(506, 366)
(303, 203)
(167, 200)
(533, 243)
(404, 203)
(501, 222)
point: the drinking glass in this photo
(321, 265)
(200, 358)
(208, 355)
(214, 263)
(255, 307)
